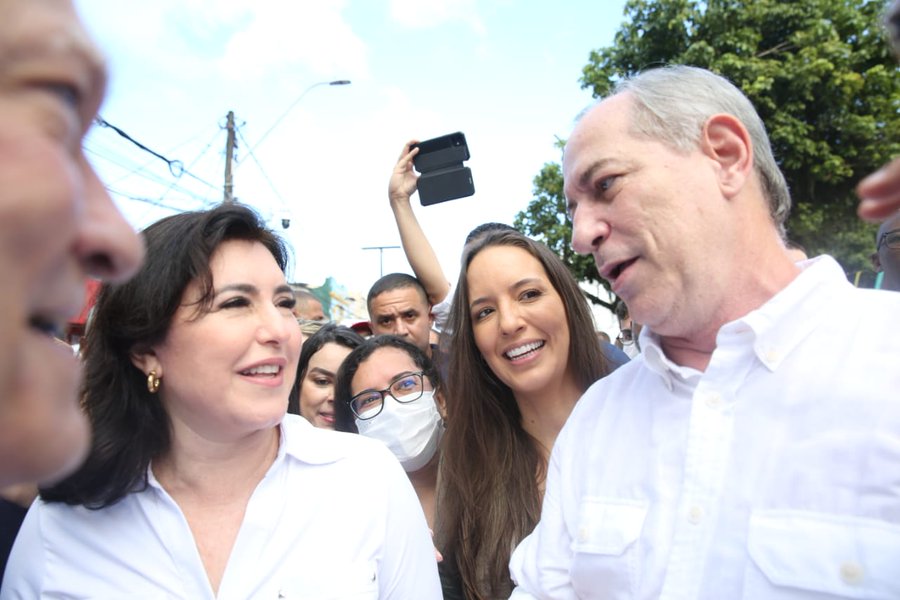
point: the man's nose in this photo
(106, 245)
(589, 229)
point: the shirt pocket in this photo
(606, 548)
(799, 554)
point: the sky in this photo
(504, 72)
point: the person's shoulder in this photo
(614, 355)
(633, 377)
(863, 307)
(321, 446)
(886, 299)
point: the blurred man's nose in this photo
(106, 245)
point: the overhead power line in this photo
(261, 170)
(176, 167)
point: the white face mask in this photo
(411, 431)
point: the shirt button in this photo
(583, 535)
(851, 572)
(713, 400)
(772, 355)
(695, 514)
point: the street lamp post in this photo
(381, 250)
(291, 107)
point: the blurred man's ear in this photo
(876, 262)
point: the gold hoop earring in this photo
(153, 382)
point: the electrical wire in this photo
(144, 200)
(261, 170)
(144, 166)
(176, 167)
(194, 162)
(148, 176)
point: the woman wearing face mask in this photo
(522, 352)
(321, 355)
(196, 485)
(388, 389)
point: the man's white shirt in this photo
(774, 474)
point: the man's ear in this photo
(876, 262)
(726, 141)
(145, 360)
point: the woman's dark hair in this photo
(327, 334)
(490, 466)
(343, 416)
(130, 425)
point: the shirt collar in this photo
(783, 322)
(311, 445)
(300, 441)
(777, 327)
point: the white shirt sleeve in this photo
(540, 565)
(441, 310)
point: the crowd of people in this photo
(217, 438)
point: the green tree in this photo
(820, 75)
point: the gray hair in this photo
(673, 103)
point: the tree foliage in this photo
(818, 71)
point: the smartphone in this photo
(442, 173)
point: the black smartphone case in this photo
(443, 175)
(445, 184)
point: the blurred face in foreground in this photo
(57, 226)
(887, 255)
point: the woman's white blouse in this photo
(334, 517)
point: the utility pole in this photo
(229, 155)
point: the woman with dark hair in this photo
(389, 389)
(522, 352)
(321, 355)
(196, 484)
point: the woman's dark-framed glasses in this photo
(404, 389)
(891, 239)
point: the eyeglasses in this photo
(891, 239)
(404, 389)
(625, 337)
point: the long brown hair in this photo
(490, 468)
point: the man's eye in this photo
(67, 92)
(606, 183)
